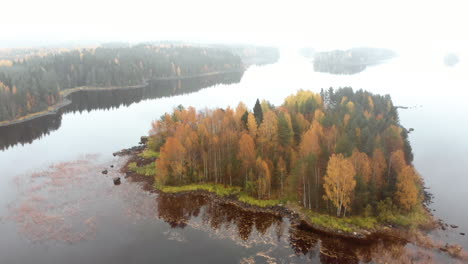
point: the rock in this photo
(411, 129)
(462, 233)
(443, 227)
(104, 172)
(143, 140)
(112, 166)
(453, 226)
(116, 180)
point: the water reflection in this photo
(27, 132)
(181, 210)
(177, 210)
(347, 69)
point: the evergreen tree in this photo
(258, 112)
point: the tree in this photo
(407, 190)
(282, 173)
(252, 125)
(310, 143)
(268, 135)
(362, 164)
(246, 154)
(379, 165)
(264, 179)
(339, 183)
(258, 112)
(170, 166)
(285, 131)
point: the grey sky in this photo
(403, 25)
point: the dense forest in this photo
(341, 152)
(33, 83)
(258, 55)
(349, 61)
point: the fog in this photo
(406, 26)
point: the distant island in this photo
(339, 160)
(451, 59)
(36, 82)
(349, 61)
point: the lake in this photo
(57, 207)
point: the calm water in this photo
(56, 206)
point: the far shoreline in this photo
(53, 109)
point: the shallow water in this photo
(56, 206)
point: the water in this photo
(71, 213)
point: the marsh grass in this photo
(147, 170)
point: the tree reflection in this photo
(177, 210)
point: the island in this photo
(337, 162)
(350, 61)
(451, 59)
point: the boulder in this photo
(453, 226)
(104, 172)
(116, 180)
(462, 233)
(143, 140)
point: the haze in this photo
(401, 25)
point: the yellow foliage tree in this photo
(362, 164)
(339, 183)
(407, 193)
(252, 125)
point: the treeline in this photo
(338, 151)
(31, 84)
(349, 61)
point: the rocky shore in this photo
(291, 212)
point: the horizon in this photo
(401, 26)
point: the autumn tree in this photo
(379, 165)
(407, 193)
(246, 154)
(263, 179)
(362, 164)
(268, 135)
(339, 183)
(170, 166)
(252, 125)
(282, 170)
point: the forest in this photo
(348, 61)
(339, 152)
(27, 132)
(33, 83)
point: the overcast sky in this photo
(437, 25)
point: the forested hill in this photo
(340, 151)
(33, 83)
(250, 54)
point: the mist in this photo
(416, 26)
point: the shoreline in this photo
(291, 211)
(53, 109)
(417, 236)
